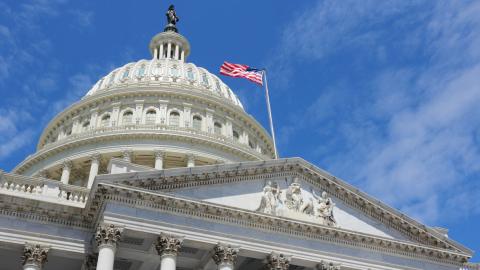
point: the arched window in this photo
(85, 125)
(150, 117)
(174, 119)
(174, 71)
(157, 70)
(141, 71)
(197, 122)
(190, 75)
(125, 73)
(105, 122)
(251, 144)
(236, 136)
(112, 78)
(217, 128)
(204, 79)
(217, 87)
(127, 117)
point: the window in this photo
(68, 131)
(204, 79)
(125, 74)
(105, 122)
(141, 71)
(174, 71)
(174, 119)
(150, 117)
(127, 117)
(236, 136)
(218, 88)
(217, 128)
(157, 70)
(85, 125)
(190, 75)
(251, 144)
(197, 122)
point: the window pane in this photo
(174, 119)
(150, 118)
(197, 122)
(217, 128)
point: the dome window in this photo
(236, 136)
(174, 71)
(127, 117)
(217, 128)
(125, 74)
(218, 87)
(150, 117)
(85, 125)
(190, 75)
(157, 70)
(197, 122)
(251, 144)
(204, 79)
(105, 122)
(174, 119)
(141, 71)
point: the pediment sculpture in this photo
(292, 203)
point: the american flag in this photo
(242, 71)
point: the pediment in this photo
(248, 186)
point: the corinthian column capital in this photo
(225, 254)
(108, 235)
(277, 261)
(168, 245)
(35, 255)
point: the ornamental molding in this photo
(168, 245)
(157, 90)
(328, 266)
(225, 254)
(141, 198)
(211, 140)
(277, 261)
(301, 169)
(34, 254)
(108, 235)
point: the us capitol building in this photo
(160, 167)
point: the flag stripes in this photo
(242, 71)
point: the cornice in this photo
(160, 90)
(163, 132)
(255, 170)
(158, 201)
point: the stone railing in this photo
(470, 266)
(156, 127)
(42, 189)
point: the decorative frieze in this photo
(168, 245)
(224, 254)
(108, 234)
(276, 261)
(35, 255)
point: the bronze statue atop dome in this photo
(172, 19)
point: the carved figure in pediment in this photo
(270, 199)
(294, 197)
(324, 208)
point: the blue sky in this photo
(383, 94)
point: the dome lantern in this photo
(169, 44)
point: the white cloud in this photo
(414, 140)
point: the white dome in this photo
(171, 71)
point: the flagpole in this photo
(270, 114)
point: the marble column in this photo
(162, 54)
(276, 261)
(159, 156)
(177, 49)
(127, 155)
(95, 159)
(190, 160)
(168, 247)
(34, 256)
(66, 169)
(107, 238)
(224, 256)
(169, 50)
